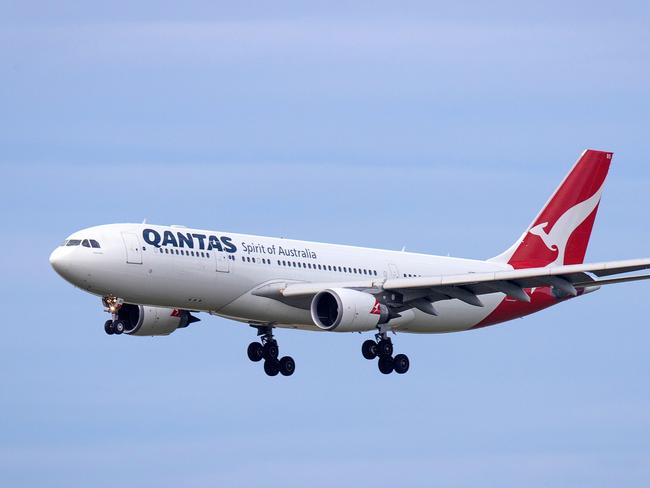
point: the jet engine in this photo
(141, 320)
(345, 310)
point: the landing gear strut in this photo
(382, 348)
(269, 351)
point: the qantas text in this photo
(189, 240)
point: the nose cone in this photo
(59, 261)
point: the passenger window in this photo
(166, 251)
(160, 249)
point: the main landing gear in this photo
(382, 348)
(269, 351)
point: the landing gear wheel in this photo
(384, 348)
(287, 366)
(369, 349)
(271, 351)
(385, 364)
(118, 325)
(109, 328)
(255, 352)
(272, 367)
(401, 363)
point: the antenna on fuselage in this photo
(144, 221)
(403, 248)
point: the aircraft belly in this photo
(253, 308)
(453, 316)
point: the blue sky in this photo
(438, 127)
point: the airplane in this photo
(152, 279)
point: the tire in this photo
(385, 348)
(255, 352)
(271, 351)
(287, 366)
(118, 325)
(272, 367)
(369, 349)
(385, 365)
(109, 328)
(401, 363)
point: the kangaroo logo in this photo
(557, 237)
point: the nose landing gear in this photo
(382, 348)
(112, 305)
(114, 327)
(269, 351)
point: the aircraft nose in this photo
(58, 261)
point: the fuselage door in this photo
(223, 262)
(133, 249)
(393, 272)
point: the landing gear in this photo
(382, 348)
(271, 367)
(369, 349)
(116, 327)
(255, 352)
(401, 363)
(287, 366)
(119, 327)
(269, 351)
(385, 365)
(109, 328)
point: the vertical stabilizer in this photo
(560, 233)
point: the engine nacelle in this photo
(141, 320)
(345, 310)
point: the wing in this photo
(421, 292)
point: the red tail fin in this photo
(560, 233)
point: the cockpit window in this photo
(85, 243)
(73, 242)
(94, 244)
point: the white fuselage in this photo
(217, 272)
